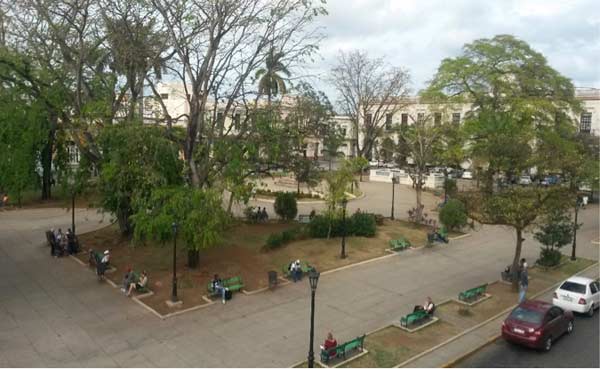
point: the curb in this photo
(460, 237)
(359, 263)
(495, 337)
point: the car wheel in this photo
(590, 312)
(570, 327)
(548, 344)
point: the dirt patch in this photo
(241, 254)
(391, 346)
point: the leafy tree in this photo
(306, 171)
(554, 233)
(516, 99)
(357, 165)
(137, 160)
(388, 147)
(421, 140)
(198, 213)
(333, 138)
(286, 205)
(270, 79)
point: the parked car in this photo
(374, 164)
(467, 174)
(578, 294)
(537, 324)
(550, 180)
(525, 180)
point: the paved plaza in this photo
(53, 312)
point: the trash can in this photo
(272, 279)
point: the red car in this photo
(537, 324)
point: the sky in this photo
(418, 34)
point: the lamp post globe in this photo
(313, 278)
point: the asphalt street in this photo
(578, 350)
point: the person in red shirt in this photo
(330, 343)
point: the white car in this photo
(467, 175)
(578, 294)
(525, 180)
(374, 164)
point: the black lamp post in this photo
(71, 181)
(394, 181)
(313, 278)
(344, 203)
(174, 292)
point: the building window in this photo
(388, 122)
(585, 124)
(343, 131)
(219, 117)
(404, 120)
(420, 117)
(368, 119)
(73, 152)
(236, 120)
(437, 119)
(456, 118)
(164, 96)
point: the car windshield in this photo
(526, 315)
(573, 287)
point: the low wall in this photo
(432, 181)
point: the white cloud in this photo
(418, 34)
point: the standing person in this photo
(5, 200)
(264, 214)
(296, 271)
(523, 281)
(101, 267)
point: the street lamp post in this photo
(344, 203)
(578, 204)
(313, 277)
(71, 181)
(394, 181)
(174, 291)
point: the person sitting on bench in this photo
(330, 343)
(217, 286)
(296, 270)
(139, 285)
(428, 306)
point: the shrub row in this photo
(278, 239)
(359, 224)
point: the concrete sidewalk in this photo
(450, 353)
(53, 312)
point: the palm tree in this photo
(270, 81)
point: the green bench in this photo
(340, 351)
(399, 244)
(136, 278)
(305, 266)
(233, 284)
(414, 318)
(473, 293)
(443, 232)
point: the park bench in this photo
(304, 266)
(399, 244)
(233, 284)
(473, 293)
(340, 351)
(136, 278)
(443, 232)
(414, 318)
(304, 218)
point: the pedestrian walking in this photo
(523, 281)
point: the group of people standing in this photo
(63, 243)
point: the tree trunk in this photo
(230, 202)
(123, 220)
(298, 187)
(193, 259)
(574, 247)
(330, 160)
(418, 190)
(515, 264)
(46, 160)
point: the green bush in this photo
(318, 226)
(274, 240)
(549, 257)
(453, 215)
(362, 224)
(286, 205)
(288, 235)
